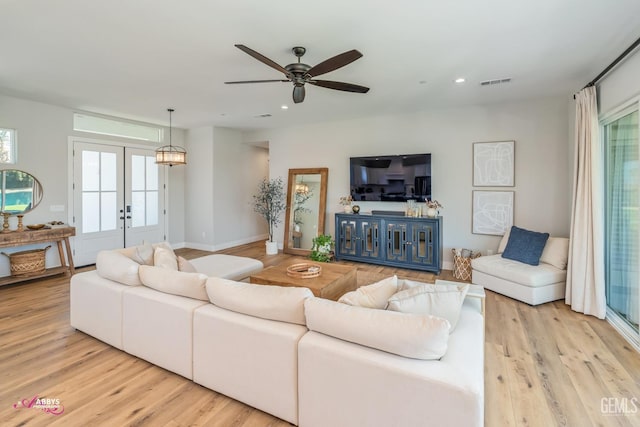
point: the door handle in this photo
(121, 217)
(128, 216)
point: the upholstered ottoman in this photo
(227, 266)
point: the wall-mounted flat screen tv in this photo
(396, 178)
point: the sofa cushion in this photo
(556, 252)
(441, 300)
(504, 240)
(282, 303)
(372, 296)
(515, 271)
(142, 254)
(116, 266)
(227, 266)
(191, 285)
(185, 265)
(418, 336)
(165, 258)
(525, 246)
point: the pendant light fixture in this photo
(171, 154)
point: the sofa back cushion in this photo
(165, 258)
(440, 300)
(418, 336)
(116, 266)
(191, 285)
(285, 304)
(556, 252)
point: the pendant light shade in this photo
(171, 154)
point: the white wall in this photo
(539, 127)
(43, 132)
(222, 176)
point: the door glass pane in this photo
(152, 174)
(108, 211)
(108, 175)
(152, 207)
(90, 171)
(137, 173)
(137, 209)
(622, 218)
(90, 212)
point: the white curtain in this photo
(585, 271)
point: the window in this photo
(7, 145)
(114, 127)
(622, 217)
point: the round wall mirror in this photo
(20, 192)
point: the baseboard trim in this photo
(225, 245)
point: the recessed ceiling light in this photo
(460, 80)
(422, 82)
(284, 107)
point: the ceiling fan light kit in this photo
(300, 73)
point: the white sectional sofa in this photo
(253, 343)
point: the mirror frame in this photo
(324, 175)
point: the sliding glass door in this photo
(622, 219)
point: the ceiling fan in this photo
(299, 73)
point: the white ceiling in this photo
(136, 58)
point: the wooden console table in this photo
(29, 237)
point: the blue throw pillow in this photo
(525, 246)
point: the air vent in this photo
(262, 116)
(495, 82)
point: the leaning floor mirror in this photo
(306, 204)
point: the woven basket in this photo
(27, 262)
(462, 266)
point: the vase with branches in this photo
(270, 202)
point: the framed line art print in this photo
(492, 212)
(494, 164)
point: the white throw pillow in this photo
(174, 282)
(556, 252)
(417, 336)
(285, 304)
(116, 266)
(185, 265)
(165, 258)
(372, 296)
(504, 241)
(142, 254)
(437, 300)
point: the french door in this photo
(622, 219)
(118, 199)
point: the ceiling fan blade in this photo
(262, 58)
(298, 94)
(334, 63)
(347, 87)
(254, 81)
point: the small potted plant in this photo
(270, 203)
(432, 208)
(345, 201)
(322, 249)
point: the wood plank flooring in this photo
(544, 366)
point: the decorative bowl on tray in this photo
(304, 270)
(35, 226)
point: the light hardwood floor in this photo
(544, 366)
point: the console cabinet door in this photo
(397, 241)
(422, 243)
(347, 243)
(369, 235)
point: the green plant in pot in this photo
(322, 249)
(270, 203)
